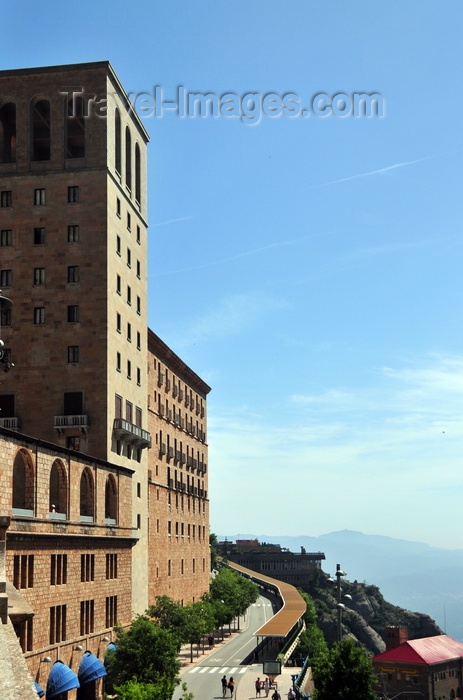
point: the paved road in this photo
(203, 678)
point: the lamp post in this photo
(339, 605)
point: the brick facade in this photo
(93, 484)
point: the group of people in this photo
(230, 684)
(260, 686)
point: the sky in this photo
(304, 257)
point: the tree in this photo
(199, 620)
(169, 615)
(311, 642)
(343, 672)
(146, 653)
(236, 592)
(132, 690)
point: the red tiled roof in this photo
(429, 650)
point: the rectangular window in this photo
(5, 317)
(138, 306)
(73, 273)
(129, 258)
(138, 417)
(129, 296)
(138, 340)
(118, 406)
(73, 194)
(39, 315)
(129, 332)
(39, 196)
(73, 354)
(73, 233)
(73, 442)
(111, 610)
(118, 284)
(39, 275)
(111, 566)
(118, 207)
(57, 624)
(118, 361)
(138, 234)
(118, 245)
(24, 632)
(39, 235)
(138, 376)
(138, 269)
(58, 569)
(129, 222)
(87, 617)
(129, 369)
(87, 567)
(23, 571)
(128, 411)
(73, 313)
(118, 323)
(5, 278)
(6, 237)
(6, 198)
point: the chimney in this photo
(395, 636)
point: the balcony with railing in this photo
(11, 423)
(63, 423)
(128, 432)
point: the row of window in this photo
(129, 368)
(180, 531)
(58, 631)
(129, 331)
(38, 276)
(129, 294)
(73, 196)
(24, 490)
(23, 569)
(180, 503)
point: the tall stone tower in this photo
(73, 259)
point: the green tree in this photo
(169, 615)
(234, 591)
(198, 621)
(133, 690)
(311, 642)
(343, 672)
(146, 653)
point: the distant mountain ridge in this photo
(412, 575)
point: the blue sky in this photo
(309, 269)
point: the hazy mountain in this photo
(412, 575)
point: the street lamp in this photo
(339, 605)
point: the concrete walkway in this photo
(245, 688)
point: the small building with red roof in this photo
(430, 668)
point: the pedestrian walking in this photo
(276, 695)
(224, 686)
(231, 686)
(267, 687)
(291, 694)
(258, 687)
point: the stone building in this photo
(430, 668)
(273, 560)
(73, 259)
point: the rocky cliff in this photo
(366, 614)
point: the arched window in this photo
(137, 174)
(8, 133)
(118, 139)
(111, 499)
(128, 159)
(75, 128)
(41, 130)
(23, 482)
(87, 494)
(58, 488)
